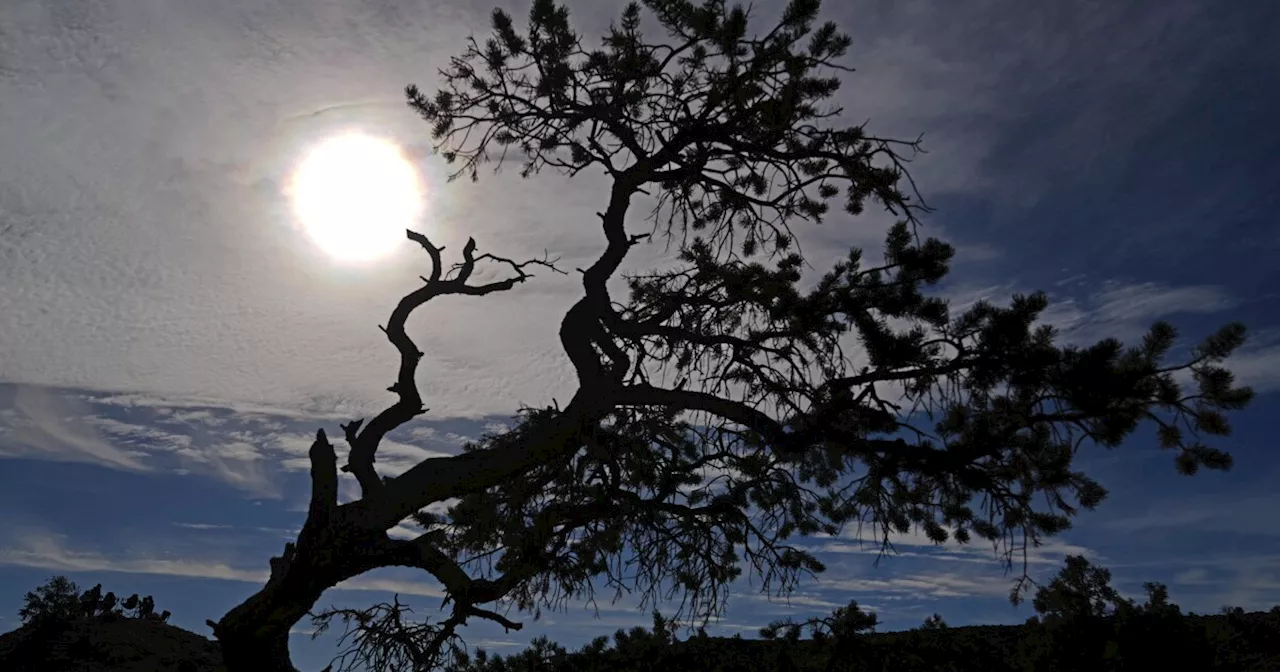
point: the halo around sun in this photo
(354, 195)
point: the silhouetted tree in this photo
(1157, 634)
(726, 359)
(650, 648)
(56, 600)
(543, 655)
(841, 633)
(1087, 626)
(1071, 633)
(1080, 591)
(933, 623)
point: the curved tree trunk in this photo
(340, 542)
(265, 649)
(332, 547)
(254, 636)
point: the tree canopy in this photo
(54, 601)
(728, 403)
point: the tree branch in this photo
(364, 444)
(692, 400)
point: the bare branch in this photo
(364, 444)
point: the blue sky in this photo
(169, 341)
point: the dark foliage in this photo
(1203, 643)
(1083, 626)
(1119, 636)
(719, 413)
(58, 599)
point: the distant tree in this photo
(933, 623)
(543, 655)
(841, 633)
(1157, 634)
(1081, 590)
(1076, 629)
(653, 646)
(56, 600)
(853, 396)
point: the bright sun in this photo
(355, 195)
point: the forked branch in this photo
(364, 439)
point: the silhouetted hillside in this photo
(123, 645)
(1239, 642)
(1234, 642)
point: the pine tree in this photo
(727, 358)
(55, 601)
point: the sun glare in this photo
(354, 195)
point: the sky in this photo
(170, 340)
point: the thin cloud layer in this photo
(202, 288)
(48, 552)
(167, 334)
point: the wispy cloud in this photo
(923, 586)
(46, 551)
(1126, 311)
(796, 601)
(1214, 513)
(1206, 582)
(1258, 367)
(45, 424)
(916, 544)
(237, 463)
(1085, 310)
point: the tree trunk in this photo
(332, 547)
(254, 636)
(266, 650)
